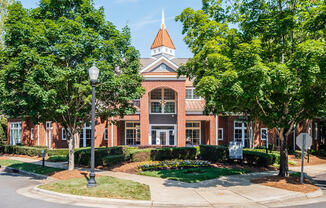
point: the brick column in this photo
(181, 116)
(213, 127)
(144, 119)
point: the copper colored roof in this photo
(163, 39)
(195, 105)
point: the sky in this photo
(144, 19)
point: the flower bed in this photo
(173, 164)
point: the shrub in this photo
(113, 160)
(21, 150)
(320, 153)
(173, 164)
(185, 153)
(54, 152)
(214, 153)
(58, 158)
(258, 158)
(141, 155)
(83, 155)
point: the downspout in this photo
(111, 131)
(216, 130)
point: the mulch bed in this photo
(126, 168)
(244, 166)
(69, 174)
(313, 160)
(292, 183)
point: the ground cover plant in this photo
(193, 175)
(29, 167)
(107, 187)
(173, 164)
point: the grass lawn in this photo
(193, 175)
(29, 167)
(107, 187)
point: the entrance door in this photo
(162, 137)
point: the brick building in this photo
(169, 113)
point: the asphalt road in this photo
(10, 182)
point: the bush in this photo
(83, 155)
(113, 160)
(54, 152)
(214, 153)
(140, 155)
(185, 153)
(58, 158)
(320, 153)
(174, 164)
(258, 158)
(21, 150)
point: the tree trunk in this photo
(77, 140)
(284, 167)
(71, 145)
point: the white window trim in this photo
(16, 128)
(106, 136)
(133, 128)
(261, 134)
(316, 131)
(164, 101)
(220, 129)
(192, 89)
(194, 128)
(63, 133)
(242, 128)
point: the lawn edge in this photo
(24, 172)
(93, 199)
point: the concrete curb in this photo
(95, 199)
(23, 172)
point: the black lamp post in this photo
(93, 75)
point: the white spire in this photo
(163, 20)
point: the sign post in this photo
(304, 141)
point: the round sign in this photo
(299, 140)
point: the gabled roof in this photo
(163, 39)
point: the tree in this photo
(48, 51)
(3, 15)
(271, 67)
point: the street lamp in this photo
(93, 75)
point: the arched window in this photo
(163, 101)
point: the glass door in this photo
(162, 137)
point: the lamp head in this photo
(93, 73)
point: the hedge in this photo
(258, 158)
(181, 153)
(112, 160)
(21, 150)
(83, 156)
(54, 152)
(173, 164)
(214, 153)
(58, 158)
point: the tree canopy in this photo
(270, 65)
(45, 65)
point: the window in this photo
(32, 133)
(132, 133)
(106, 134)
(240, 132)
(190, 94)
(163, 101)
(263, 133)
(193, 133)
(86, 135)
(316, 130)
(15, 133)
(48, 125)
(220, 133)
(63, 134)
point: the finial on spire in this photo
(163, 20)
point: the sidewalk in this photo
(236, 190)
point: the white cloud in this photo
(148, 21)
